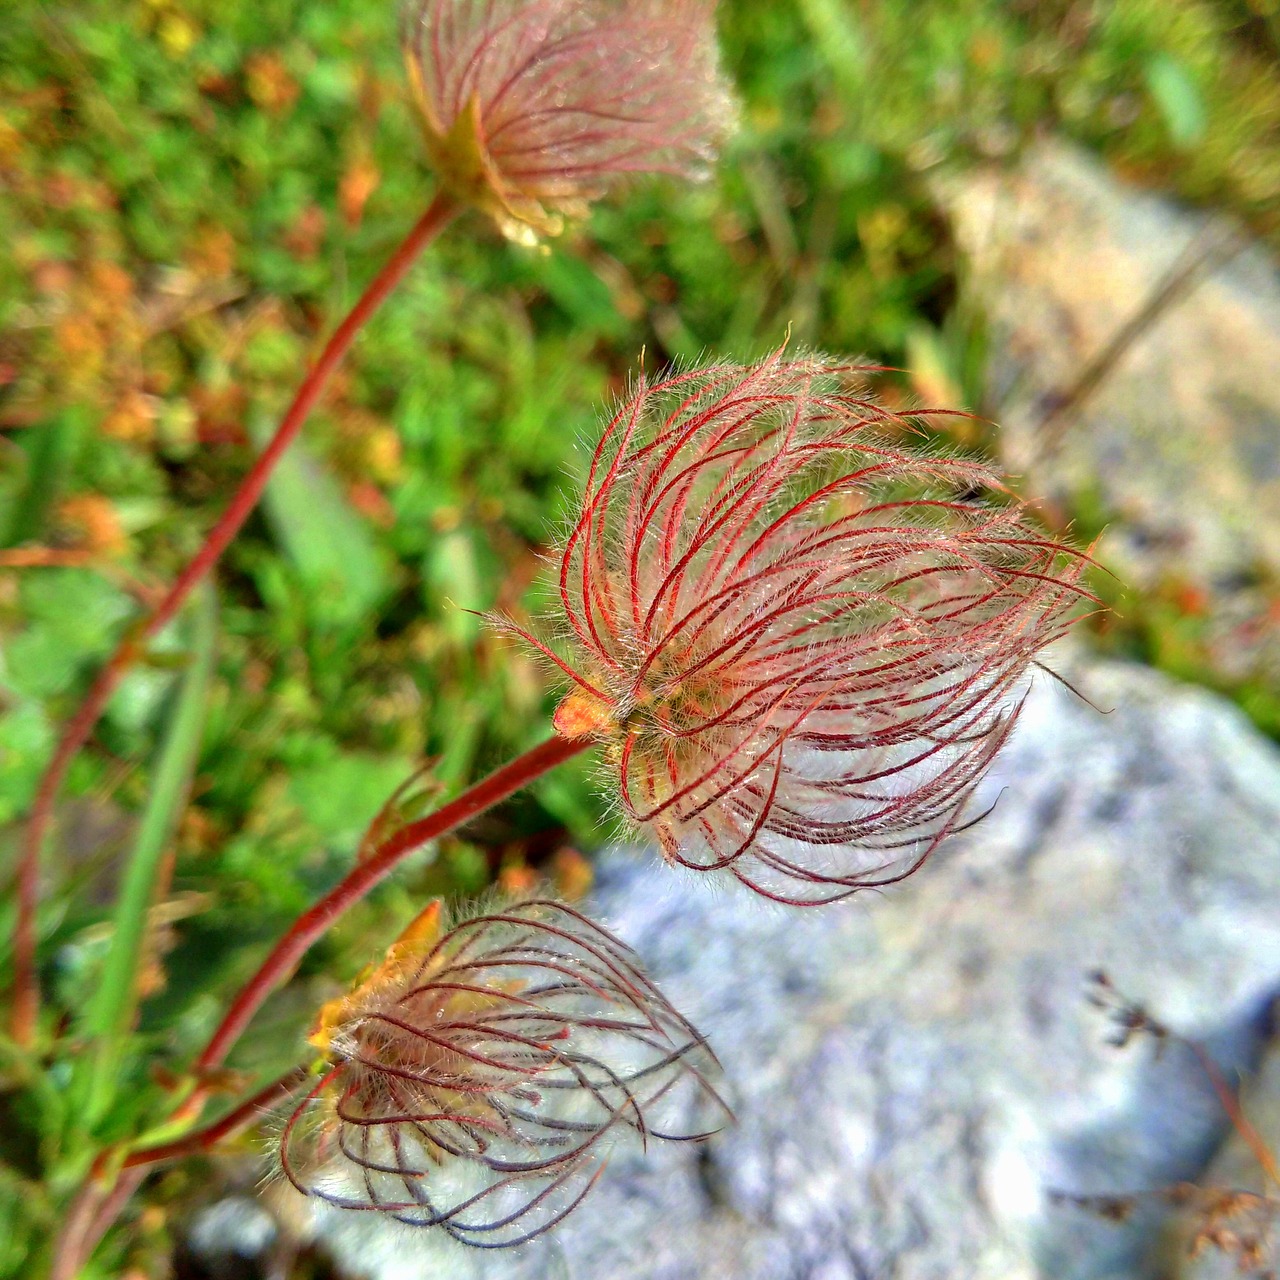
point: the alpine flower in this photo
(475, 1080)
(801, 637)
(532, 108)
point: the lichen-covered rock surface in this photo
(916, 1072)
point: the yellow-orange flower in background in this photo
(532, 108)
(478, 1076)
(801, 637)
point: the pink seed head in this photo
(801, 637)
(532, 108)
(476, 1079)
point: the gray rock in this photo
(1174, 443)
(917, 1072)
(230, 1239)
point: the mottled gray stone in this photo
(1177, 446)
(230, 1239)
(915, 1072)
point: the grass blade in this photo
(50, 451)
(111, 1011)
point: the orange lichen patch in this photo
(81, 347)
(10, 143)
(132, 418)
(93, 522)
(212, 253)
(371, 503)
(359, 181)
(42, 557)
(384, 453)
(111, 285)
(269, 83)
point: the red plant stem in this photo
(99, 1203)
(69, 1247)
(26, 991)
(364, 875)
(96, 1206)
(94, 1210)
(243, 1115)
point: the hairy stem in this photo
(96, 1207)
(364, 875)
(240, 1117)
(97, 1204)
(26, 992)
(103, 1195)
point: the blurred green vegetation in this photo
(192, 191)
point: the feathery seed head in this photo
(532, 108)
(475, 1079)
(800, 637)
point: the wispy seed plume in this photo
(476, 1079)
(801, 637)
(533, 108)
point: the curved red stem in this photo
(26, 991)
(93, 1211)
(245, 1114)
(96, 1206)
(364, 875)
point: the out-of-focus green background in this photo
(191, 191)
